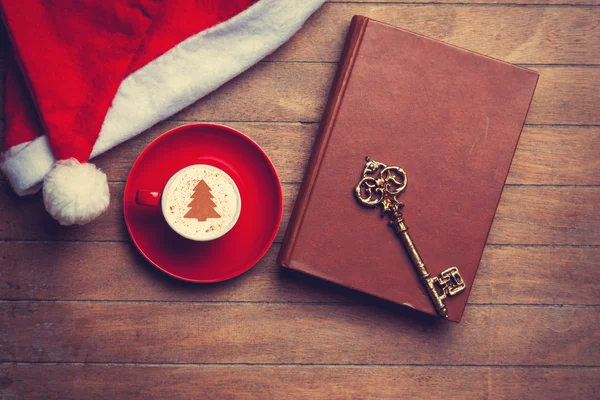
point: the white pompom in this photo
(75, 193)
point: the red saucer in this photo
(262, 203)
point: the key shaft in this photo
(397, 221)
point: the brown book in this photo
(451, 119)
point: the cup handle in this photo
(147, 198)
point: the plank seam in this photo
(318, 122)
(300, 365)
(281, 303)
(277, 242)
(528, 65)
(588, 126)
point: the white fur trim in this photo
(75, 193)
(26, 164)
(171, 82)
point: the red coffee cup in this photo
(199, 202)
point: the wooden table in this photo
(83, 315)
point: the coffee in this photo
(201, 202)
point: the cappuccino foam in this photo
(201, 202)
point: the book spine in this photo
(353, 40)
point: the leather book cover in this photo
(451, 119)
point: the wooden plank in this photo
(284, 92)
(298, 92)
(306, 334)
(522, 35)
(561, 89)
(557, 156)
(25, 218)
(537, 275)
(116, 271)
(267, 92)
(526, 215)
(297, 382)
(547, 215)
(545, 156)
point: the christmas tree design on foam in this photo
(202, 205)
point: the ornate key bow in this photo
(382, 184)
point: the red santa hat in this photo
(86, 75)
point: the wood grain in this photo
(116, 271)
(101, 320)
(291, 334)
(557, 156)
(560, 90)
(298, 92)
(526, 215)
(545, 155)
(521, 35)
(305, 382)
(547, 215)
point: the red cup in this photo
(213, 220)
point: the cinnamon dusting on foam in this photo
(222, 193)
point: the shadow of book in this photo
(324, 292)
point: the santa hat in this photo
(86, 75)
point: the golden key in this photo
(381, 185)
